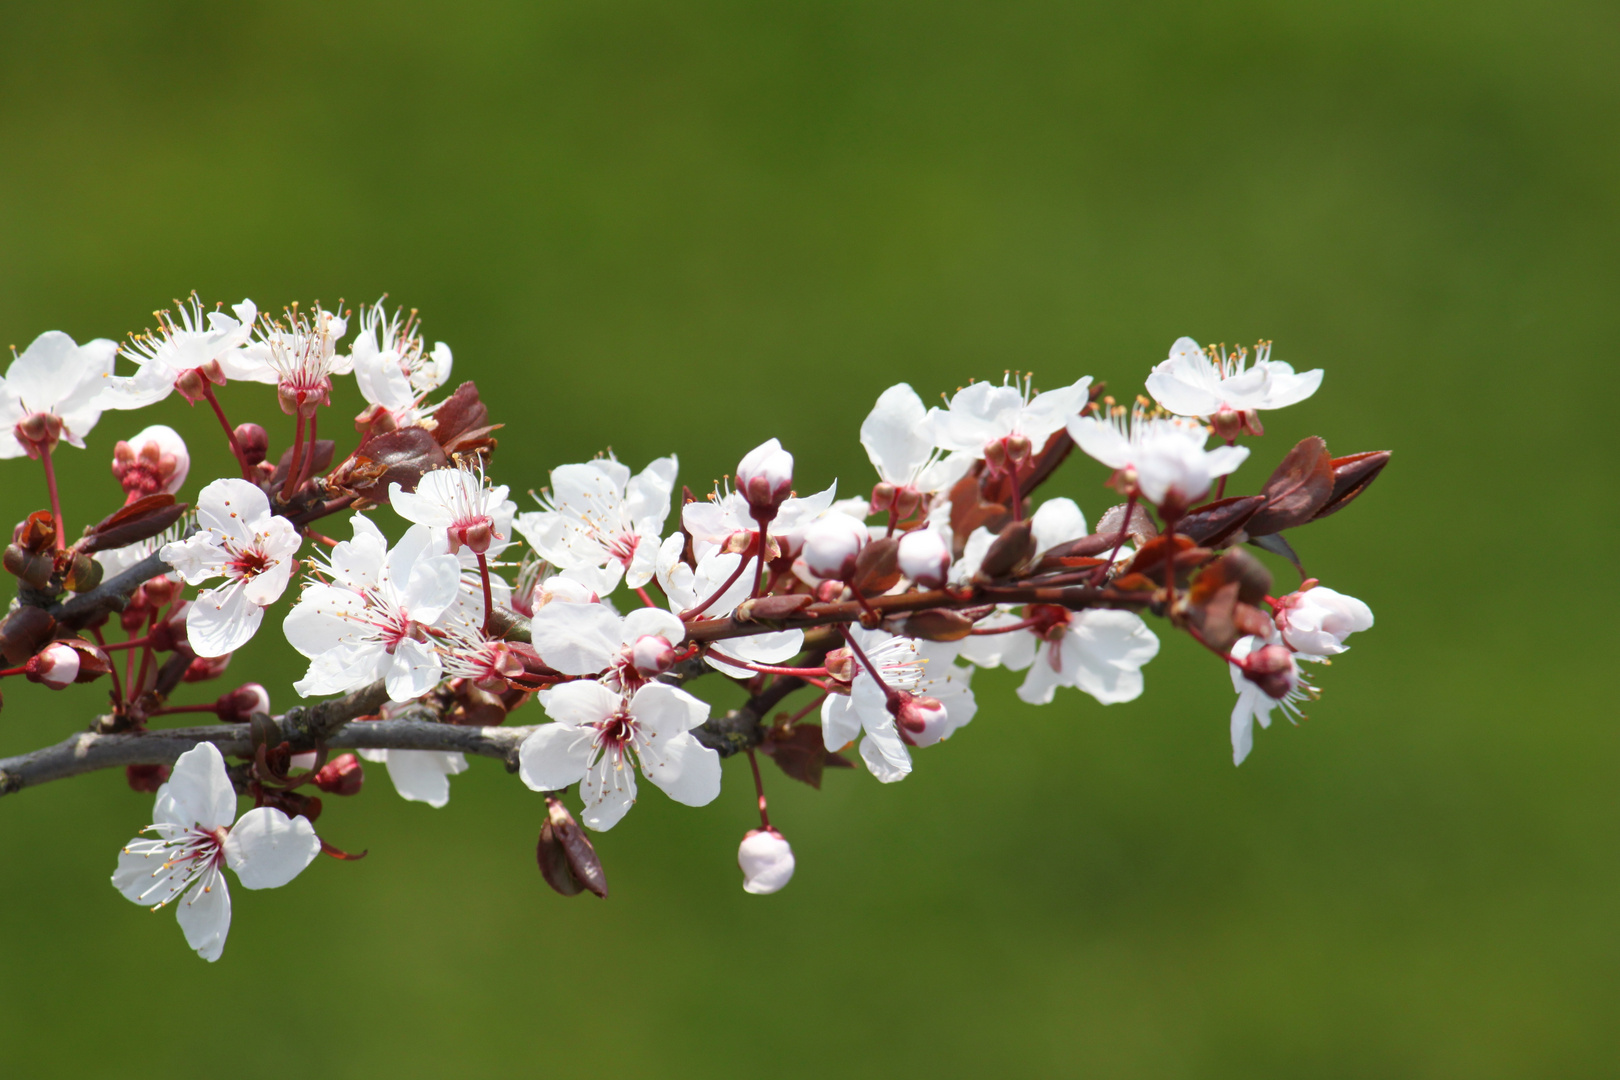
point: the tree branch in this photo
(111, 595)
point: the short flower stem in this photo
(230, 432)
(133, 643)
(1198, 637)
(12, 671)
(56, 499)
(296, 465)
(718, 593)
(849, 639)
(112, 669)
(759, 788)
(767, 669)
(489, 598)
(309, 453)
(1220, 489)
(759, 580)
(806, 711)
(1021, 624)
(645, 599)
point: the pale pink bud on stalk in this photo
(922, 720)
(56, 665)
(341, 776)
(766, 859)
(238, 706)
(1316, 620)
(651, 655)
(765, 478)
(154, 461)
(925, 558)
(831, 544)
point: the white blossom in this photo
(765, 475)
(1254, 704)
(240, 539)
(598, 523)
(899, 439)
(598, 738)
(393, 366)
(370, 621)
(197, 834)
(189, 340)
(420, 775)
(53, 390)
(1204, 382)
(1159, 456)
(586, 639)
(299, 357)
(460, 508)
(982, 415)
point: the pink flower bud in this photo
(766, 859)
(651, 655)
(765, 477)
(56, 665)
(154, 461)
(925, 557)
(1272, 669)
(238, 706)
(923, 720)
(254, 441)
(341, 776)
(831, 544)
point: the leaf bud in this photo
(25, 629)
(30, 567)
(567, 860)
(766, 860)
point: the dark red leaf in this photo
(1300, 487)
(1010, 552)
(1218, 522)
(140, 520)
(1351, 476)
(877, 567)
(391, 457)
(801, 753)
(322, 461)
(461, 413)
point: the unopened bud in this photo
(567, 860)
(765, 477)
(476, 536)
(238, 706)
(831, 545)
(147, 778)
(651, 655)
(341, 776)
(170, 634)
(840, 665)
(922, 720)
(204, 668)
(161, 590)
(766, 859)
(56, 665)
(254, 441)
(925, 557)
(154, 461)
(1272, 669)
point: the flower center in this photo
(248, 564)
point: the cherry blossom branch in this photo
(111, 595)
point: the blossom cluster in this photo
(619, 587)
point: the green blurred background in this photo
(690, 227)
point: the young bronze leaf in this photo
(140, 520)
(1297, 490)
(392, 457)
(1351, 476)
(1218, 522)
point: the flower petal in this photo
(267, 849)
(205, 915)
(555, 755)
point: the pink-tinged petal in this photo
(222, 620)
(582, 702)
(608, 790)
(267, 849)
(886, 756)
(199, 790)
(576, 639)
(204, 915)
(555, 755)
(684, 768)
(424, 775)
(663, 711)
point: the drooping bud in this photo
(341, 776)
(254, 441)
(840, 665)
(567, 860)
(154, 461)
(766, 859)
(1272, 669)
(831, 545)
(925, 557)
(651, 656)
(922, 720)
(147, 778)
(238, 706)
(56, 665)
(765, 477)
